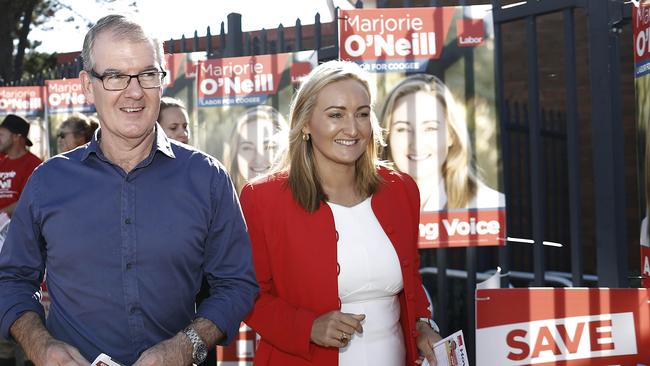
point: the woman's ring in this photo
(344, 337)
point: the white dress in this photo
(369, 280)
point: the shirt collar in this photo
(162, 143)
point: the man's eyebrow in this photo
(116, 71)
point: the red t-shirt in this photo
(13, 176)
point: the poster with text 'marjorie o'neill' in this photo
(243, 104)
(27, 102)
(641, 44)
(434, 71)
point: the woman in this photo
(427, 140)
(75, 131)
(257, 141)
(335, 238)
(173, 119)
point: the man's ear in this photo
(86, 84)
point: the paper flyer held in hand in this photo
(104, 360)
(450, 351)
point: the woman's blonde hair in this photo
(256, 113)
(299, 163)
(457, 171)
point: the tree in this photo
(17, 18)
(15, 22)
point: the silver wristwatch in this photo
(199, 349)
(431, 323)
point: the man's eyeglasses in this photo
(115, 82)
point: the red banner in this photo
(247, 80)
(66, 96)
(568, 327)
(21, 100)
(641, 34)
(393, 36)
(462, 228)
(241, 351)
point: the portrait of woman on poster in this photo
(257, 141)
(75, 131)
(174, 120)
(334, 237)
(428, 140)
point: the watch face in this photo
(200, 354)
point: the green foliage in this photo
(37, 62)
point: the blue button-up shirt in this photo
(125, 252)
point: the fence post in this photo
(607, 135)
(208, 43)
(281, 47)
(298, 35)
(234, 36)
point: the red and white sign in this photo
(471, 32)
(380, 34)
(65, 96)
(464, 228)
(558, 326)
(21, 100)
(239, 80)
(241, 351)
(641, 34)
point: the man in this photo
(17, 164)
(126, 228)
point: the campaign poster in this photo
(180, 83)
(27, 102)
(64, 98)
(563, 326)
(434, 72)
(243, 107)
(641, 44)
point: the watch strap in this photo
(430, 323)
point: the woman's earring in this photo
(305, 136)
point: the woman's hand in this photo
(426, 339)
(334, 329)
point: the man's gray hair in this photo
(121, 28)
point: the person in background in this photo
(16, 166)
(174, 120)
(16, 163)
(125, 259)
(335, 238)
(76, 130)
(427, 140)
(257, 141)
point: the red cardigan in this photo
(294, 253)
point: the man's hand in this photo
(58, 353)
(40, 346)
(176, 351)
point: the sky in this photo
(172, 19)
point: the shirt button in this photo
(129, 265)
(127, 221)
(133, 310)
